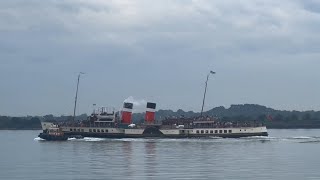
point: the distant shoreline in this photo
(34, 129)
(273, 119)
(16, 129)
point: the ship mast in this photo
(205, 91)
(76, 98)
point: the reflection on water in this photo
(128, 153)
(285, 154)
(151, 161)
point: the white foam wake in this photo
(91, 139)
(38, 139)
(260, 137)
(301, 137)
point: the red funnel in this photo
(150, 113)
(126, 114)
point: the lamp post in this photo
(205, 91)
(76, 98)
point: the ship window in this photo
(70, 129)
(207, 131)
(182, 131)
(94, 130)
(90, 130)
(102, 130)
(230, 131)
(78, 130)
(202, 131)
(74, 130)
(225, 131)
(245, 130)
(82, 130)
(211, 131)
(220, 131)
(98, 130)
(197, 131)
(216, 131)
(106, 130)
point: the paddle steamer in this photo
(106, 123)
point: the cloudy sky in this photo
(264, 52)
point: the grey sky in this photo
(264, 52)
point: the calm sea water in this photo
(285, 154)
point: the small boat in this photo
(53, 134)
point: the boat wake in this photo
(87, 139)
(38, 139)
(91, 139)
(214, 137)
(301, 137)
(260, 137)
(130, 139)
(315, 141)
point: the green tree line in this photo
(245, 112)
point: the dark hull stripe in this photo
(109, 135)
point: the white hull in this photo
(156, 131)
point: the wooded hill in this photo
(247, 112)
